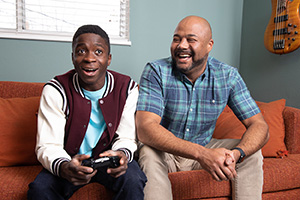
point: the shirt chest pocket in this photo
(209, 111)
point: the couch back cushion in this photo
(228, 126)
(18, 127)
(13, 89)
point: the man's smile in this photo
(183, 56)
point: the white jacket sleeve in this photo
(126, 130)
(51, 130)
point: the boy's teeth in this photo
(90, 70)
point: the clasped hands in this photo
(220, 163)
(77, 174)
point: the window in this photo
(58, 19)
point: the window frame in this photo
(19, 33)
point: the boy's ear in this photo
(72, 57)
(109, 59)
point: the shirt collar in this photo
(182, 77)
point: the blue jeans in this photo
(128, 186)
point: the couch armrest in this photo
(292, 129)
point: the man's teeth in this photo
(184, 56)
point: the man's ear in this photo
(210, 45)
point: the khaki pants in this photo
(156, 165)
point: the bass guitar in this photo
(282, 34)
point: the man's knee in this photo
(149, 156)
(255, 160)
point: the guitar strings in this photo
(276, 25)
(279, 24)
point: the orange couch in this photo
(19, 102)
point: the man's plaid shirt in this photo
(188, 110)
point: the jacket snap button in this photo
(104, 144)
(110, 124)
(101, 102)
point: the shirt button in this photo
(187, 129)
(110, 124)
(88, 102)
(191, 109)
(101, 102)
(84, 126)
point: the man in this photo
(87, 112)
(180, 100)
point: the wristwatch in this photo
(242, 157)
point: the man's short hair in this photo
(89, 28)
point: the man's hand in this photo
(75, 173)
(220, 163)
(116, 172)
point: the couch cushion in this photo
(228, 126)
(14, 181)
(197, 184)
(292, 129)
(13, 89)
(18, 124)
(93, 191)
(281, 174)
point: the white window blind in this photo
(58, 19)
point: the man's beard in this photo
(194, 64)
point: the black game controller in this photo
(111, 162)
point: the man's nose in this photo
(183, 44)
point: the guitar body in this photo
(282, 34)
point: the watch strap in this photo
(242, 156)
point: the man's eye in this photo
(191, 40)
(176, 40)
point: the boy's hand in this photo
(116, 172)
(75, 173)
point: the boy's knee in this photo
(135, 175)
(36, 191)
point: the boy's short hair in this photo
(89, 28)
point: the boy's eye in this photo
(81, 51)
(98, 51)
